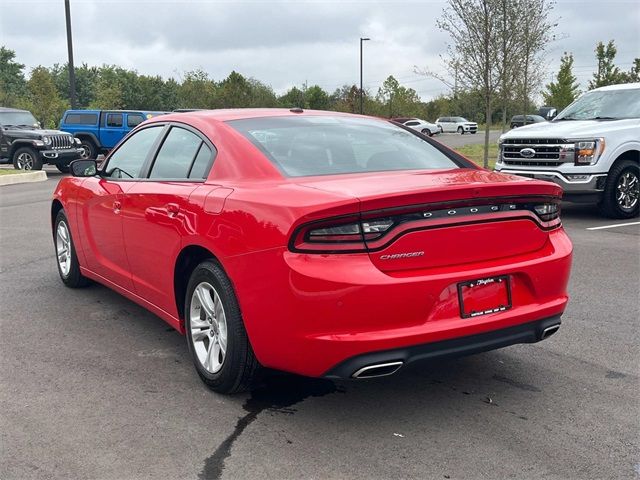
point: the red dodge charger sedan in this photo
(319, 243)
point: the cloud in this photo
(285, 43)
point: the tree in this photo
(294, 97)
(534, 37)
(12, 82)
(317, 98)
(197, 90)
(399, 100)
(634, 74)
(607, 73)
(473, 27)
(43, 99)
(565, 89)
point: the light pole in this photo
(361, 91)
(72, 72)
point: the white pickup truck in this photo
(591, 149)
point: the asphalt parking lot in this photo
(93, 386)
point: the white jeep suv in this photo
(591, 149)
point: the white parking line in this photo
(614, 226)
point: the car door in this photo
(112, 129)
(157, 213)
(100, 203)
(447, 125)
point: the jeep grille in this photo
(61, 141)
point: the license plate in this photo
(484, 296)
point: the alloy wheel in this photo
(63, 248)
(627, 190)
(25, 161)
(208, 327)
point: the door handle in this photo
(172, 209)
(117, 206)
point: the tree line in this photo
(45, 92)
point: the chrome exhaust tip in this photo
(547, 332)
(377, 370)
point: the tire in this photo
(212, 322)
(427, 132)
(63, 168)
(68, 267)
(461, 130)
(620, 198)
(89, 149)
(26, 158)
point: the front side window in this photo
(412, 123)
(324, 145)
(178, 153)
(114, 120)
(127, 161)
(604, 105)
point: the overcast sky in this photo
(285, 43)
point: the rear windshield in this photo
(324, 145)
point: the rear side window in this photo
(201, 164)
(81, 118)
(134, 119)
(127, 161)
(180, 151)
(325, 145)
(114, 120)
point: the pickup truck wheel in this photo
(68, 266)
(63, 168)
(215, 332)
(26, 158)
(621, 193)
(461, 130)
(89, 149)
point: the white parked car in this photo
(591, 149)
(422, 126)
(457, 125)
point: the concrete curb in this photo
(39, 176)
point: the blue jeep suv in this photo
(100, 130)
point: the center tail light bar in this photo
(372, 231)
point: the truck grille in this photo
(61, 141)
(547, 152)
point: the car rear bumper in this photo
(309, 313)
(390, 361)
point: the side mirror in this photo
(83, 168)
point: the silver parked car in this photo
(422, 126)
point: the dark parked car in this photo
(28, 146)
(519, 120)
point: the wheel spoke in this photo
(198, 334)
(204, 297)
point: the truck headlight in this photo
(46, 140)
(587, 152)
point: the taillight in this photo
(353, 234)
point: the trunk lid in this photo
(445, 217)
